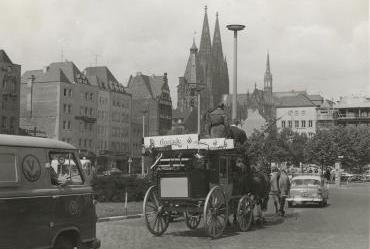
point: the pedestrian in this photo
(284, 186)
(274, 187)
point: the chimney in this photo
(46, 69)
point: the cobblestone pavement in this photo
(344, 223)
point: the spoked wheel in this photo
(215, 212)
(156, 218)
(244, 213)
(192, 219)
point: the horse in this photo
(256, 183)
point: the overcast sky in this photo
(318, 45)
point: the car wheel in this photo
(63, 242)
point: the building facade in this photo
(151, 103)
(297, 113)
(352, 111)
(206, 69)
(60, 102)
(113, 119)
(10, 77)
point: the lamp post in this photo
(143, 151)
(235, 28)
(129, 165)
(198, 87)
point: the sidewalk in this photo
(107, 210)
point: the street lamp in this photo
(198, 88)
(235, 28)
(142, 154)
(129, 165)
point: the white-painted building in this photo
(298, 113)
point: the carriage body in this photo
(186, 180)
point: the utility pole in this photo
(235, 28)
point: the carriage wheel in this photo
(215, 212)
(244, 213)
(156, 218)
(192, 220)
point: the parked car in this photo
(308, 189)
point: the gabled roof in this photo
(4, 58)
(143, 86)
(71, 71)
(28, 74)
(295, 101)
(103, 78)
(53, 75)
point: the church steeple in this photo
(216, 43)
(268, 75)
(205, 39)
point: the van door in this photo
(9, 183)
(28, 203)
(73, 207)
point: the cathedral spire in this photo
(216, 43)
(205, 39)
(268, 63)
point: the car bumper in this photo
(304, 199)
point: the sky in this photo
(321, 46)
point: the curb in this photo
(123, 217)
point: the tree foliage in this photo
(353, 143)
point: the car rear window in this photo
(300, 182)
(8, 169)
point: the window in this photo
(65, 108)
(8, 169)
(86, 110)
(290, 124)
(70, 92)
(282, 123)
(90, 143)
(64, 168)
(64, 124)
(91, 96)
(69, 108)
(65, 92)
(86, 96)
(309, 123)
(4, 122)
(303, 123)
(91, 111)
(11, 124)
(296, 124)
(85, 143)
(290, 113)
(303, 112)
(79, 142)
(69, 125)
(68, 140)
(296, 113)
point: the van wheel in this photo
(63, 242)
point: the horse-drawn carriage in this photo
(200, 178)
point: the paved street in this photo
(344, 223)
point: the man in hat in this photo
(218, 122)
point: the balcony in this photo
(86, 119)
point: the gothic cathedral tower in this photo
(267, 89)
(206, 66)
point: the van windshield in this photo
(64, 168)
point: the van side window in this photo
(8, 169)
(65, 167)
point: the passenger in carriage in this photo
(237, 134)
(218, 122)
